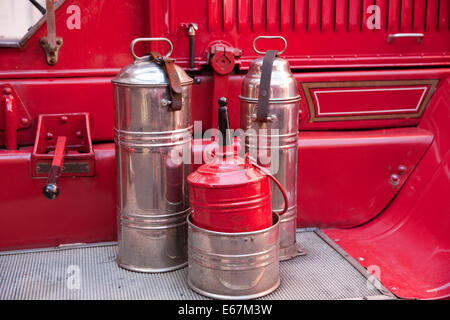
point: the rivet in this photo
(7, 91)
(361, 259)
(272, 118)
(395, 179)
(63, 119)
(402, 169)
(49, 136)
(24, 121)
(79, 134)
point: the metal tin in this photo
(230, 195)
(152, 143)
(234, 265)
(280, 131)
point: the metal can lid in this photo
(144, 72)
(283, 85)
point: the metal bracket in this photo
(222, 58)
(51, 51)
(51, 44)
(79, 160)
(15, 116)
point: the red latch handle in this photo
(51, 189)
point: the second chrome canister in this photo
(269, 117)
(153, 128)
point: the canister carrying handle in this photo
(270, 37)
(149, 40)
(248, 159)
(169, 68)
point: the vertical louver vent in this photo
(327, 15)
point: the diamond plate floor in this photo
(324, 273)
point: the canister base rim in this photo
(150, 270)
(291, 252)
(226, 297)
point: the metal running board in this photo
(325, 272)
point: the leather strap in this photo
(264, 86)
(174, 79)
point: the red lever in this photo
(51, 189)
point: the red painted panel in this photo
(272, 15)
(432, 14)
(444, 15)
(286, 15)
(383, 4)
(406, 16)
(83, 212)
(93, 95)
(408, 243)
(394, 14)
(344, 177)
(368, 100)
(301, 15)
(328, 15)
(229, 15)
(367, 11)
(244, 15)
(163, 18)
(214, 20)
(353, 78)
(258, 15)
(314, 15)
(354, 15)
(419, 15)
(89, 48)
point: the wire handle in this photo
(247, 159)
(149, 40)
(269, 37)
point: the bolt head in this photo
(7, 91)
(402, 169)
(49, 136)
(395, 179)
(24, 121)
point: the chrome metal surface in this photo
(90, 272)
(418, 36)
(270, 37)
(150, 40)
(233, 265)
(153, 144)
(278, 136)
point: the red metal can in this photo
(230, 194)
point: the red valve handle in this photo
(248, 159)
(51, 189)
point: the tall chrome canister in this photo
(269, 117)
(153, 128)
